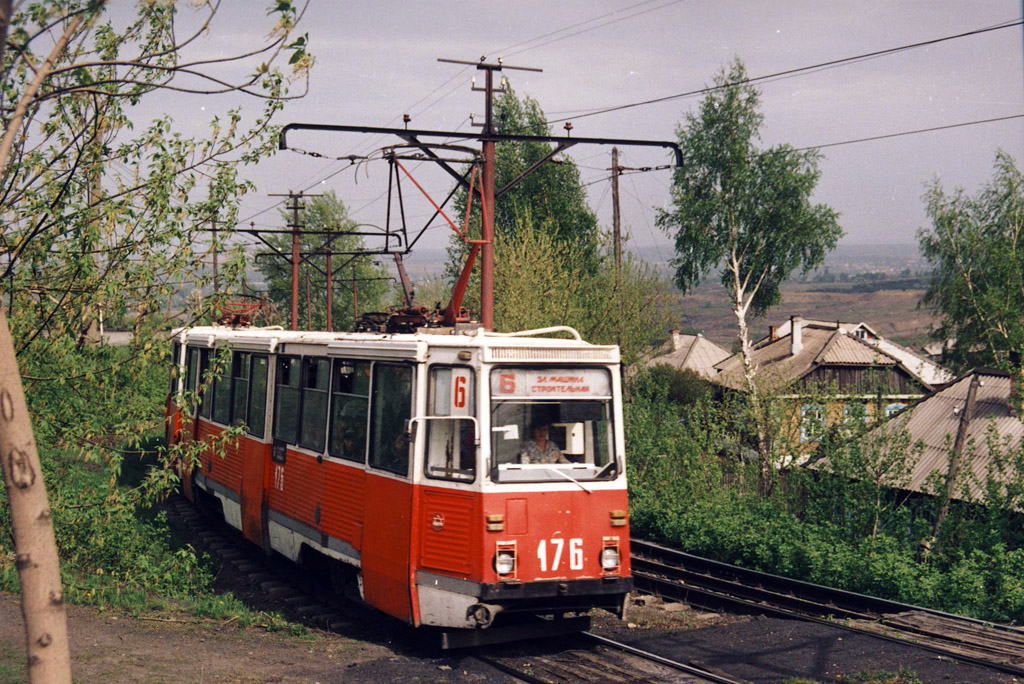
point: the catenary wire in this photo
(791, 72)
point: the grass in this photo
(12, 665)
(904, 676)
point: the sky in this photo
(376, 61)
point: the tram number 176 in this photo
(575, 554)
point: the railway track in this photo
(584, 658)
(592, 658)
(716, 586)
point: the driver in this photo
(540, 449)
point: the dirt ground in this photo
(118, 649)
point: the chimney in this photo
(796, 336)
(675, 340)
(773, 333)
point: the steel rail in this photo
(661, 660)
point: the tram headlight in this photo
(610, 554)
(505, 559)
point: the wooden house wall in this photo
(862, 380)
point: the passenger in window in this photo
(540, 449)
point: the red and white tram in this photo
(400, 460)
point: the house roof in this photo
(689, 352)
(831, 343)
(935, 420)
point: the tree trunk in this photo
(749, 374)
(42, 598)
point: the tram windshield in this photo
(551, 424)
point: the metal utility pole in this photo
(294, 205)
(487, 190)
(487, 207)
(616, 227)
(213, 245)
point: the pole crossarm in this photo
(412, 135)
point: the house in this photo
(689, 352)
(958, 418)
(858, 370)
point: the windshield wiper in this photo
(570, 478)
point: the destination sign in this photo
(555, 383)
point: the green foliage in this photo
(843, 523)
(746, 208)
(681, 386)
(324, 213)
(902, 676)
(544, 282)
(976, 248)
(103, 221)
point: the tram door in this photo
(249, 385)
(388, 507)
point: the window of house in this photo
(894, 408)
(350, 401)
(390, 411)
(812, 418)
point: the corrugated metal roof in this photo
(690, 352)
(935, 419)
(825, 343)
(845, 349)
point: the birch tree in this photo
(976, 247)
(96, 215)
(745, 210)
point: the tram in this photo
(403, 463)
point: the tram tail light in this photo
(495, 522)
(610, 554)
(618, 518)
(505, 559)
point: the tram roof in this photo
(412, 344)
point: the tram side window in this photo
(176, 368)
(451, 433)
(350, 394)
(287, 399)
(249, 391)
(241, 366)
(316, 376)
(222, 388)
(256, 412)
(191, 368)
(205, 384)
(390, 410)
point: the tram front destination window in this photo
(552, 424)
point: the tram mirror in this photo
(580, 411)
(509, 432)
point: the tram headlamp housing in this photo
(505, 559)
(610, 554)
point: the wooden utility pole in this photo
(616, 227)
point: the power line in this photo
(586, 30)
(914, 132)
(792, 72)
